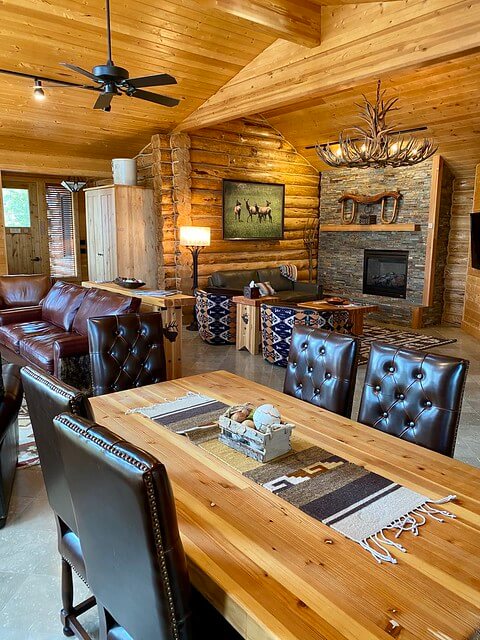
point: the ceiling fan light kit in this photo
(377, 144)
(110, 80)
(73, 185)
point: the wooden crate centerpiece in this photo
(257, 433)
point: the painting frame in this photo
(259, 192)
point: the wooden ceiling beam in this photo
(50, 164)
(428, 33)
(298, 21)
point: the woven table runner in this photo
(357, 503)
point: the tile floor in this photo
(29, 562)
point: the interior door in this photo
(25, 228)
(101, 234)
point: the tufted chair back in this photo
(414, 395)
(125, 510)
(126, 351)
(322, 368)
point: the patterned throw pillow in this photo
(266, 289)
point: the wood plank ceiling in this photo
(203, 50)
(213, 53)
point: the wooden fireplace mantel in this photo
(404, 226)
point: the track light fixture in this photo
(38, 92)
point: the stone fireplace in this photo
(404, 265)
(385, 273)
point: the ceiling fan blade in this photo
(159, 80)
(84, 72)
(59, 85)
(103, 101)
(154, 97)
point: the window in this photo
(16, 207)
(61, 231)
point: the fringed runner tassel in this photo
(376, 544)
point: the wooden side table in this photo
(249, 334)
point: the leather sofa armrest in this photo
(21, 314)
(309, 287)
(71, 345)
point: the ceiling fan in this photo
(115, 80)
(110, 80)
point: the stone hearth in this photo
(341, 253)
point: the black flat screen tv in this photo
(475, 239)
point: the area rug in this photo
(399, 338)
(27, 450)
(361, 505)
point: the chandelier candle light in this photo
(377, 144)
(194, 239)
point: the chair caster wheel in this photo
(68, 632)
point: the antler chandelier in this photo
(377, 144)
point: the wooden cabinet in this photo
(121, 237)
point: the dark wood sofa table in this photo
(357, 312)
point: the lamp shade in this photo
(195, 236)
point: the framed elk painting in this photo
(253, 210)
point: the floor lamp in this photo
(194, 239)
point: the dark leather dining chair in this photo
(127, 522)
(414, 395)
(47, 397)
(322, 369)
(11, 395)
(126, 351)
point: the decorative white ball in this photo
(264, 416)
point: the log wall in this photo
(458, 242)
(186, 172)
(471, 312)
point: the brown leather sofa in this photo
(23, 290)
(53, 335)
(232, 282)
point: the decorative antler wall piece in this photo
(349, 217)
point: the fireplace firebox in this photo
(385, 273)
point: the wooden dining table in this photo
(275, 572)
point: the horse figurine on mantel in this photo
(349, 218)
